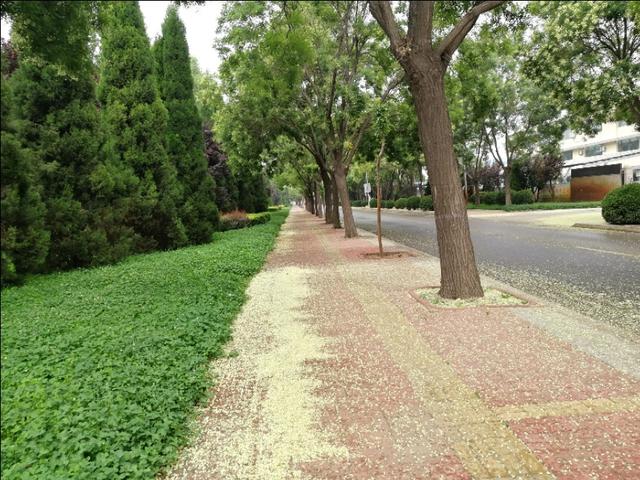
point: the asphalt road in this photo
(594, 272)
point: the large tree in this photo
(24, 241)
(198, 210)
(504, 112)
(135, 121)
(307, 70)
(425, 58)
(56, 31)
(57, 120)
(587, 54)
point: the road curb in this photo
(613, 228)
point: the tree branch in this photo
(381, 11)
(356, 138)
(420, 25)
(454, 38)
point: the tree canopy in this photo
(587, 54)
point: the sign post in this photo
(367, 189)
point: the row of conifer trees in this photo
(99, 162)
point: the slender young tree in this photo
(198, 209)
(425, 63)
(136, 124)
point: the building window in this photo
(636, 175)
(598, 127)
(593, 150)
(621, 123)
(568, 155)
(629, 144)
(568, 135)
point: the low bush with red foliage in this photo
(234, 219)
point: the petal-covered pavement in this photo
(337, 372)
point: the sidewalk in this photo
(337, 372)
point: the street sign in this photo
(367, 188)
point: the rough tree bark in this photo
(425, 65)
(328, 196)
(507, 184)
(318, 196)
(308, 202)
(340, 174)
(458, 271)
(335, 203)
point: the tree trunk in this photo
(318, 200)
(476, 192)
(379, 200)
(328, 196)
(459, 274)
(350, 230)
(335, 202)
(507, 185)
(308, 202)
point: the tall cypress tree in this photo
(135, 121)
(198, 210)
(23, 238)
(58, 120)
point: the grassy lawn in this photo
(101, 368)
(534, 206)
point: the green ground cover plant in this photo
(101, 368)
(534, 206)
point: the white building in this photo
(615, 143)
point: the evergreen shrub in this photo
(401, 203)
(622, 205)
(426, 202)
(413, 203)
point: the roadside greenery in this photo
(198, 209)
(534, 206)
(622, 205)
(103, 157)
(239, 219)
(584, 55)
(101, 368)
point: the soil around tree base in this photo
(493, 297)
(389, 254)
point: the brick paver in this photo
(353, 378)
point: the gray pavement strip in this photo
(584, 334)
(611, 228)
(599, 340)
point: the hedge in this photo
(426, 202)
(521, 197)
(518, 197)
(239, 219)
(401, 203)
(413, 203)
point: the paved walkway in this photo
(337, 372)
